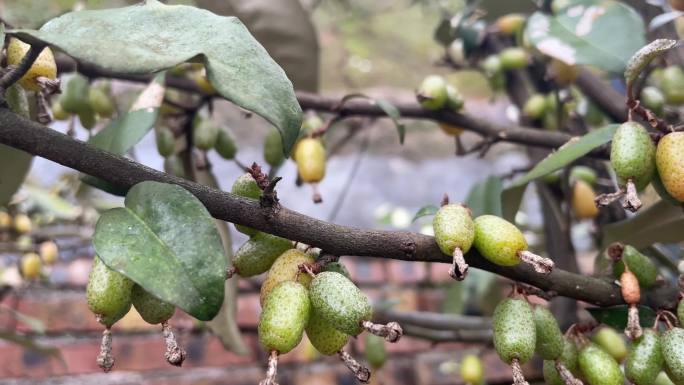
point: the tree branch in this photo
(18, 132)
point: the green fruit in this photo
(58, 111)
(376, 354)
(246, 187)
(174, 166)
(680, 312)
(339, 302)
(670, 164)
(273, 148)
(633, 154)
(568, 359)
(594, 115)
(87, 118)
(653, 99)
(286, 268)
(284, 317)
(472, 371)
(663, 379)
(550, 341)
(672, 84)
(108, 293)
(75, 96)
(672, 343)
(513, 58)
(166, 141)
(642, 266)
(645, 359)
(498, 240)
(492, 65)
(100, 102)
(612, 342)
(598, 367)
(337, 267)
(205, 134)
(225, 145)
(454, 98)
(514, 330)
(310, 124)
(151, 309)
(535, 107)
(258, 254)
(583, 173)
(432, 93)
(325, 338)
(454, 228)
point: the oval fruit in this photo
(641, 265)
(472, 371)
(108, 293)
(166, 141)
(151, 309)
(310, 157)
(257, 255)
(645, 359)
(514, 330)
(510, 24)
(498, 240)
(284, 317)
(568, 359)
(273, 148)
(672, 342)
(205, 134)
(43, 66)
(612, 342)
(246, 187)
(454, 228)
(583, 205)
(583, 173)
(48, 252)
(653, 99)
(454, 98)
(672, 84)
(286, 268)
(22, 224)
(633, 154)
(670, 163)
(225, 145)
(30, 266)
(513, 58)
(563, 74)
(75, 96)
(325, 338)
(376, 354)
(100, 102)
(451, 130)
(535, 107)
(598, 367)
(432, 93)
(550, 341)
(339, 302)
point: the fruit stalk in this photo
(175, 355)
(540, 264)
(631, 293)
(391, 332)
(272, 370)
(631, 201)
(518, 377)
(633, 329)
(105, 359)
(459, 267)
(316, 196)
(361, 372)
(565, 374)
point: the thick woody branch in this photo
(36, 139)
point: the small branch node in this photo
(361, 372)
(230, 272)
(459, 267)
(272, 370)
(175, 355)
(391, 332)
(105, 359)
(606, 199)
(540, 264)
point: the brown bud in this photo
(631, 292)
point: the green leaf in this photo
(16, 163)
(165, 240)
(644, 56)
(148, 38)
(394, 114)
(425, 211)
(485, 197)
(661, 222)
(574, 149)
(604, 34)
(29, 344)
(616, 316)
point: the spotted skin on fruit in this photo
(257, 255)
(673, 350)
(284, 316)
(670, 164)
(325, 338)
(633, 155)
(498, 240)
(246, 187)
(339, 302)
(549, 338)
(151, 309)
(645, 359)
(598, 367)
(108, 293)
(515, 333)
(286, 268)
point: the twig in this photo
(13, 75)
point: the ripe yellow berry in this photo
(583, 201)
(5, 220)
(48, 252)
(44, 66)
(310, 157)
(30, 265)
(22, 223)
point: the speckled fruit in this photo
(432, 92)
(325, 338)
(166, 142)
(30, 266)
(535, 107)
(257, 255)
(550, 341)
(645, 359)
(100, 102)
(339, 302)
(680, 311)
(568, 359)
(204, 134)
(671, 164)
(583, 205)
(513, 58)
(151, 309)
(498, 240)
(672, 84)
(44, 66)
(663, 379)
(472, 371)
(514, 330)
(246, 187)
(673, 350)
(337, 267)
(310, 157)
(108, 293)
(225, 145)
(612, 342)
(633, 154)
(284, 317)
(286, 268)
(641, 265)
(375, 351)
(273, 148)
(48, 252)
(453, 226)
(598, 367)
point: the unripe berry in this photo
(432, 93)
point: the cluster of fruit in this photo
(18, 228)
(110, 296)
(89, 102)
(496, 239)
(301, 294)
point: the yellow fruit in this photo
(670, 164)
(583, 201)
(563, 74)
(22, 223)
(44, 65)
(48, 252)
(5, 220)
(510, 24)
(200, 79)
(451, 130)
(472, 371)
(310, 157)
(58, 111)
(30, 265)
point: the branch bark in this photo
(18, 132)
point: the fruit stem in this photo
(631, 202)
(606, 199)
(518, 377)
(47, 85)
(633, 328)
(565, 374)
(316, 197)
(175, 355)
(540, 264)
(230, 272)
(361, 372)
(392, 332)
(105, 359)
(459, 267)
(272, 370)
